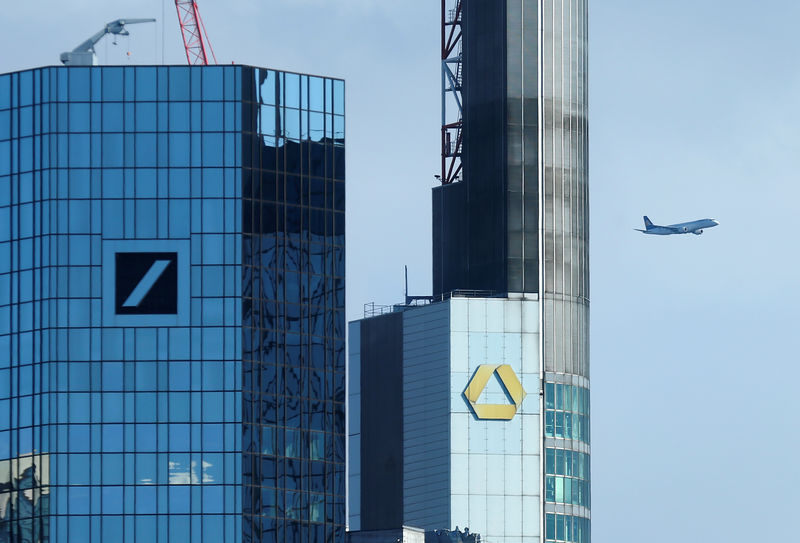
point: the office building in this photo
(171, 305)
(473, 410)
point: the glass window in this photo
(112, 437)
(212, 437)
(268, 86)
(145, 85)
(179, 437)
(112, 150)
(179, 147)
(178, 83)
(291, 124)
(292, 90)
(146, 149)
(112, 117)
(179, 117)
(179, 406)
(79, 79)
(112, 404)
(212, 83)
(78, 500)
(338, 97)
(112, 78)
(179, 501)
(316, 94)
(213, 500)
(112, 500)
(212, 117)
(5, 91)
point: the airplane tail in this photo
(648, 223)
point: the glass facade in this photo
(567, 477)
(567, 528)
(128, 406)
(566, 412)
(294, 337)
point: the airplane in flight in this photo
(693, 227)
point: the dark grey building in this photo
(493, 375)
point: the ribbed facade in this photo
(565, 189)
(564, 290)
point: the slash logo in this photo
(146, 283)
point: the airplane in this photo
(694, 227)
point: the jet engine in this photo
(697, 232)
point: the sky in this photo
(694, 112)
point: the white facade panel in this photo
(495, 481)
(458, 469)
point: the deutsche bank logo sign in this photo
(146, 282)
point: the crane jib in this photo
(195, 38)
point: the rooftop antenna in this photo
(407, 300)
(84, 54)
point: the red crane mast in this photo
(194, 32)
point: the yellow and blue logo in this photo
(510, 383)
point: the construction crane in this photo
(84, 54)
(194, 32)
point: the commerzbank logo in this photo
(511, 385)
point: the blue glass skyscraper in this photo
(171, 305)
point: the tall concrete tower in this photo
(489, 382)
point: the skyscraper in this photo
(489, 424)
(171, 305)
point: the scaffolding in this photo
(452, 74)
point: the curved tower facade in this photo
(564, 282)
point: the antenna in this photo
(407, 300)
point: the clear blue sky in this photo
(693, 113)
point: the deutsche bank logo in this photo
(146, 283)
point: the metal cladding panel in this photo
(426, 424)
(495, 456)
(486, 231)
(381, 418)
(450, 228)
(354, 426)
(522, 145)
(565, 198)
(484, 152)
